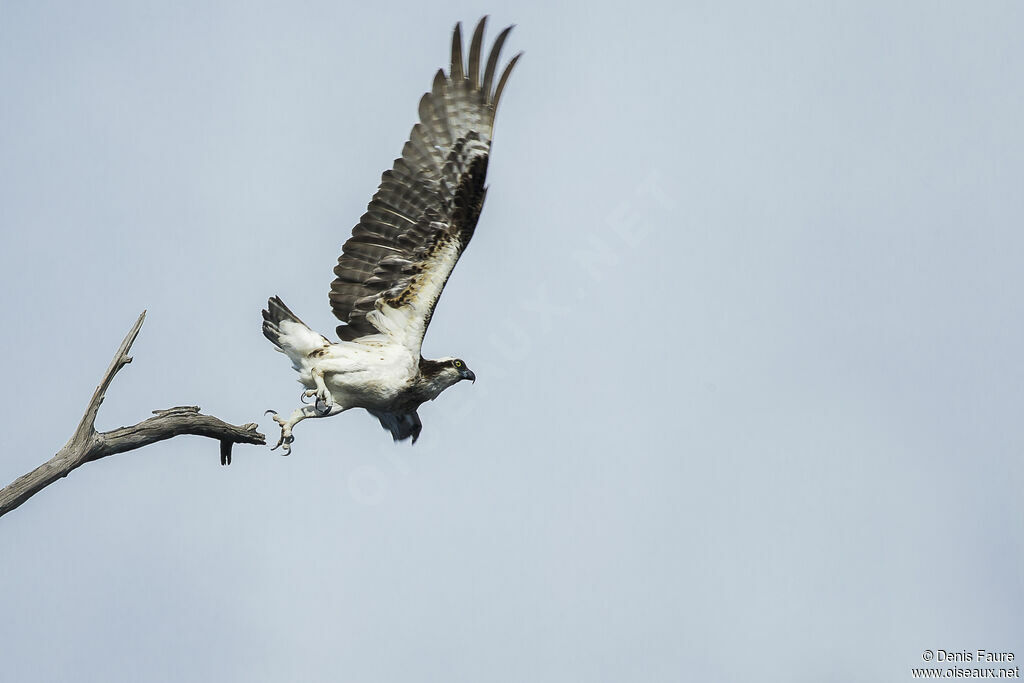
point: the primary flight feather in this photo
(393, 268)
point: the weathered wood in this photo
(86, 444)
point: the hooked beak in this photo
(468, 374)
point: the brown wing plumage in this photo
(394, 267)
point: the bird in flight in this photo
(393, 268)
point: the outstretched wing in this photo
(394, 267)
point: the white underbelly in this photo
(365, 389)
(359, 375)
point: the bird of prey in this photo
(393, 268)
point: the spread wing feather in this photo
(393, 268)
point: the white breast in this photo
(367, 372)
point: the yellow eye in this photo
(458, 363)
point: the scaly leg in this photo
(298, 416)
(321, 392)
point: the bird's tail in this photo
(289, 334)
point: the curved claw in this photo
(270, 412)
(326, 408)
(302, 398)
(285, 441)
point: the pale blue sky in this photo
(744, 306)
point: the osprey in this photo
(393, 268)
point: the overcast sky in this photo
(744, 306)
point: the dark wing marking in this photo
(401, 425)
(394, 267)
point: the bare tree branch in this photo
(86, 444)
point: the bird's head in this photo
(444, 372)
(460, 367)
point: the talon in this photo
(326, 399)
(286, 438)
(285, 442)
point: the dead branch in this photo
(86, 444)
